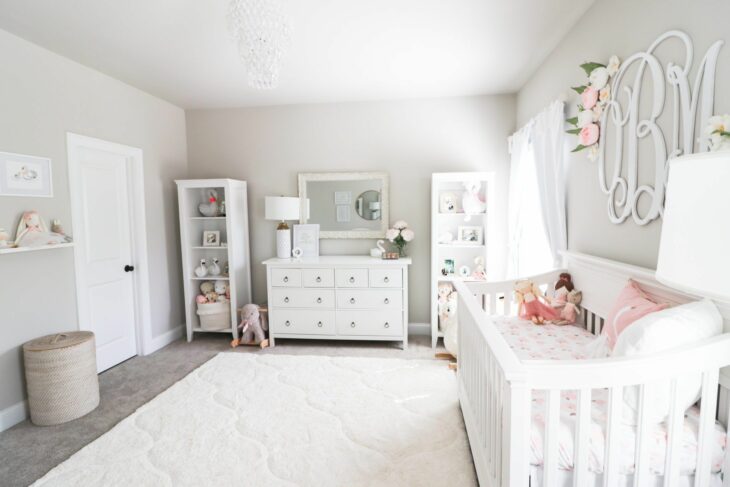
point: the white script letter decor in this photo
(629, 122)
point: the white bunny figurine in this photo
(214, 269)
(201, 270)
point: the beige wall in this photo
(622, 27)
(408, 139)
(43, 96)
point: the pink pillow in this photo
(631, 305)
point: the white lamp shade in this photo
(281, 208)
(694, 251)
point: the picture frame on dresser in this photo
(306, 238)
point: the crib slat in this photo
(610, 467)
(552, 423)
(641, 458)
(492, 304)
(582, 430)
(725, 408)
(707, 422)
(675, 423)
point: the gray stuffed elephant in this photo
(252, 327)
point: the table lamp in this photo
(695, 241)
(282, 208)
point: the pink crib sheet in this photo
(552, 342)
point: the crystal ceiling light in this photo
(262, 34)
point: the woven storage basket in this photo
(214, 316)
(60, 372)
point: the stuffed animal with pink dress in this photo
(570, 312)
(532, 304)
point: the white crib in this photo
(495, 386)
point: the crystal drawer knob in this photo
(386, 279)
(319, 324)
(352, 278)
(319, 300)
(286, 278)
(286, 299)
(386, 300)
(287, 323)
(319, 279)
(352, 300)
(352, 325)
(387, 325)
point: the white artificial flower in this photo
(715, 124)
(604, 94)
(598, 78)
(400, 225)
(391, 234)
(613, 64)
(407, 234)
(597, 111)
(585, 117)
(593, 152)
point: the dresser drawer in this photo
(302, 298)
(386, 278)
(369, 299)
(286, 277)
(303, 322)
(318, 277)
(351, 277)
(370, 323)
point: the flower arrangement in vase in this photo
(399, 236)
(718, 132)
(594, 96)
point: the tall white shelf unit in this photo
(441, 222)
(233, 228)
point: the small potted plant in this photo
(399, 236)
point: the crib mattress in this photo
(553, 342)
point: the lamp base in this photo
(283, 244)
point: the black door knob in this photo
(128, 268)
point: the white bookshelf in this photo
(233, 228)
(461, 253)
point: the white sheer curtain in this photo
(536, 214)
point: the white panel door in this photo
(105, 271)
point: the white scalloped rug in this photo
(270, 420)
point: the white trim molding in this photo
(163, 340)
(12, 415)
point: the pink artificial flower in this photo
(589, 97)
(588, 135)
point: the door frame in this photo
(135, 185)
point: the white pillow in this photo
(665, 330)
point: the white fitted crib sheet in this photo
(553, 342)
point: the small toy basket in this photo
(214, 316)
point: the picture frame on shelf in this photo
(306, 238)
(447, 270)
(449, 202)
(471, 235)
(211, 238)
(23, 175)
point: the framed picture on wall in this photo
(343, 213)
(22, 175)
(343, 197)
(306, 238)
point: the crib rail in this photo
(496, 387)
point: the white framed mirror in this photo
(346, 204)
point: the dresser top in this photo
(337, 260)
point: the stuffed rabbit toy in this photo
(252, 327)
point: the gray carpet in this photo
(27, 452)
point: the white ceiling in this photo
(341, 50)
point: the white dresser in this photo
(338, 298)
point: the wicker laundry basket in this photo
(214, 316)
(60, 372)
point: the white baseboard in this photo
(419, 329)
(165, 339)
(13, 415)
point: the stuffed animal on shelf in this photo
(479, 273)
(33, 232)
(471, 202)
(202, 269)
(570, 312)
(531, 303)
(444, 290)
(252, 327)
(448, 323)
(214, 269)
(210, 208)
(222, 290)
